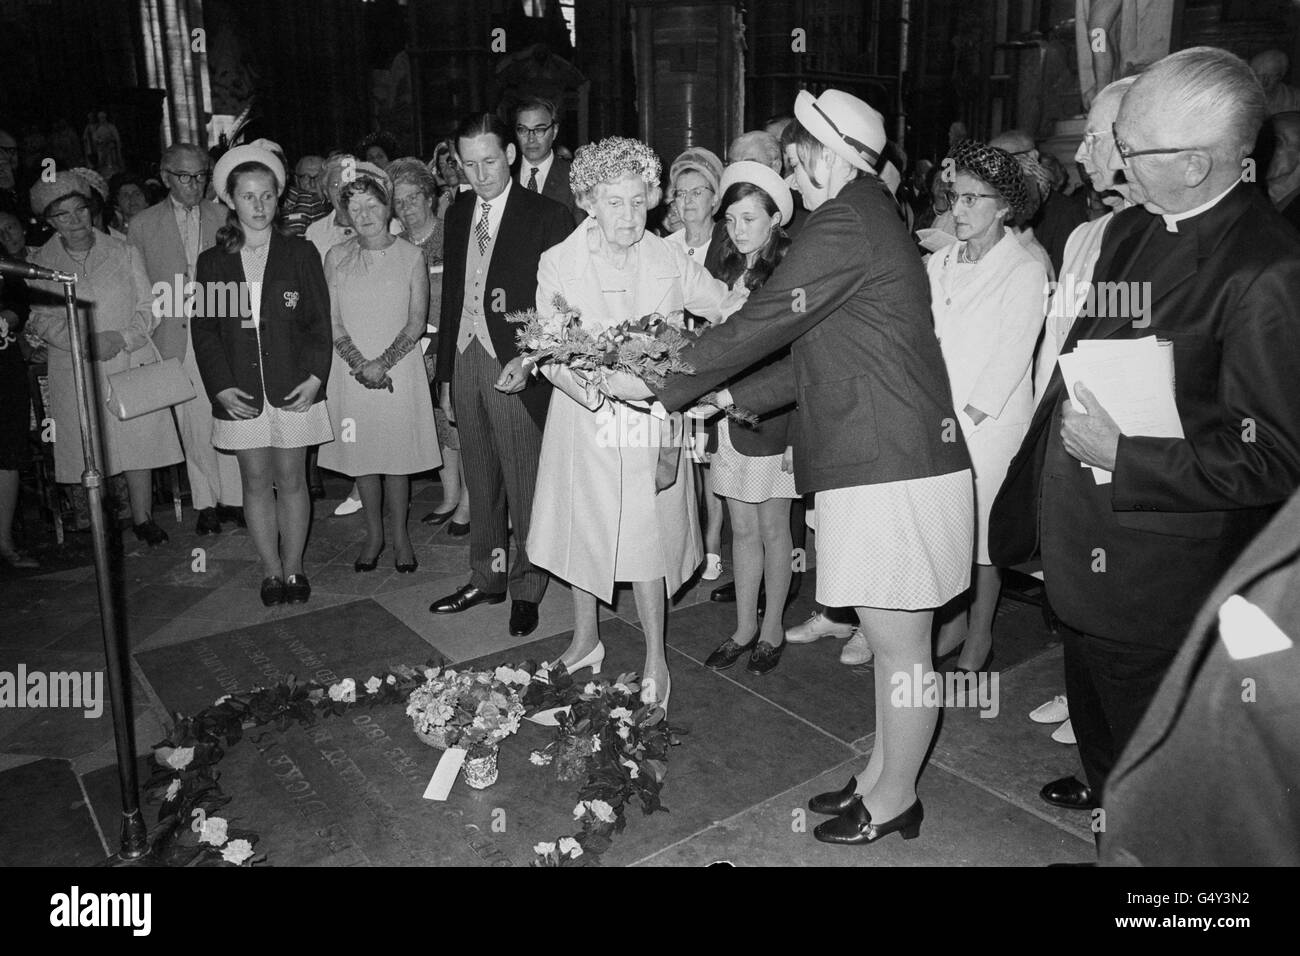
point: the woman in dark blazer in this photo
(262, 343)
(877, 438)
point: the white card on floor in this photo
(444, 775)
(1246, 631)
(548, 718)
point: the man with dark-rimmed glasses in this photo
(541, 169)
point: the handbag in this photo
(148, 388)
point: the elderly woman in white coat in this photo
(599, 516)
(989, 296)
(114, 294)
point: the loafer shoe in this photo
(837, 801)
(817, 627)
(857, 650)
(724, 593)
(1053, 712)
(457, 530)
(854, 826)
(272, 591)
(297, 589)
(1068, 792)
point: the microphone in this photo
(25, 270)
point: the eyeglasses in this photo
(698, 192)
(530, 132)
(967, 200)
(306, 178)
(186, 179)
(68, 215)
(1125, 154)
(1091, 136)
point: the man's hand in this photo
(787, 460)
(733, 300)
(235, 401)
(1090, 436)
(444, 402)
(513, 377)
(628, 387)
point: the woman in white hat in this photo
(752, 468)
(113, 292)
(264, 356)
(877, 438)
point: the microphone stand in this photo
(133, 838)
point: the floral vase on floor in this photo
(481, 772)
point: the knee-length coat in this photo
(596, 506)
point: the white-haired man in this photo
(170, 235)
(1128, 563)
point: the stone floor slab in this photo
(44, 820)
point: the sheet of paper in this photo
(444, 775)
(932, 240)
(1133, 379)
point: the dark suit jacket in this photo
(1291, 212)
(556, 186)
(1179, 510)
(1211, 777)
(530, 224)
(852, 301)
(296, 331)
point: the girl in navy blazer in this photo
(262, 342)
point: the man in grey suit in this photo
(170, 235)
(537, 123)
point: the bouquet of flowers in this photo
(474, 710)
(649, 347)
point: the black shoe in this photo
(297, 589)
(523, 618)
(403, 568)
(726, 654)
(149, 532)
(1068, 792)
(358, 565)
(724, 593)
(836, 802)
(853, 827)
(233, 514)
(272, 591)
(437, 517)
(208, 522)
(764, 658)
(464, 599)
(457, 530)
(988, 662)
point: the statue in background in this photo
(1117, 38)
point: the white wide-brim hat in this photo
(249, 153)
(756, 174)
(844, 124)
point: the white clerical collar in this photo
(1173, 219)
(543, 169)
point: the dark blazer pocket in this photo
(839, 422)
(1175, 524)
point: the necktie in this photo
(532, 180)
(482, 230)
(191, 237)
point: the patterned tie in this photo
(532, 180)
(482, 231)
(191, 238)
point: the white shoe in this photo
(595, 659)
(648, 698)
(347, 507)
(857, 650)
(712, 567)
(1052, 712)
(1064, 734)
(817, 627)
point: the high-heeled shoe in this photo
(403, 567)
(359, 566)
(594, 658)
(648, 698)
(988, 662)
(837, 801)
(853, 827)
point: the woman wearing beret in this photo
(264, 356)
(114, 293)
(989, 296)
(875, 437)
(752, 468)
